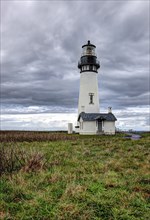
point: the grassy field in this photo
(58, 176)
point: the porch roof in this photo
(97, 116)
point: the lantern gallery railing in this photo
(89, 63)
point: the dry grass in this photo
(30, 136)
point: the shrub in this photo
(13, 159)
(34, 163)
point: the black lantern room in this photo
(88, 60)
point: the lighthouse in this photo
(90, 120)
(88, 94)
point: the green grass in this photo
(86, 177)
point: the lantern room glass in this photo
(88, 51)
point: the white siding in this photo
(88, 84)
(88, 127)
(109, 127)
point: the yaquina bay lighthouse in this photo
(90, 120)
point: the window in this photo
(82, 108)
(91, 98)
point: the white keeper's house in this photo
(90, 120)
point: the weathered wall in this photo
(109, 127)
(88, 127)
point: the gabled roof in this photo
(97, 116)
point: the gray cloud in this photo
(41, 45)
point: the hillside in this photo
(58, 176)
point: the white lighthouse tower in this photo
(90, 120)
(88, 95)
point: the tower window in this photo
(91, 98)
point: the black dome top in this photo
(88, 44)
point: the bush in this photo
(13, 159)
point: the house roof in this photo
(97, 116)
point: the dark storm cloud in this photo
(41, 44)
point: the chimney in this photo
(109, 109)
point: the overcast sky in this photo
(40, 47)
